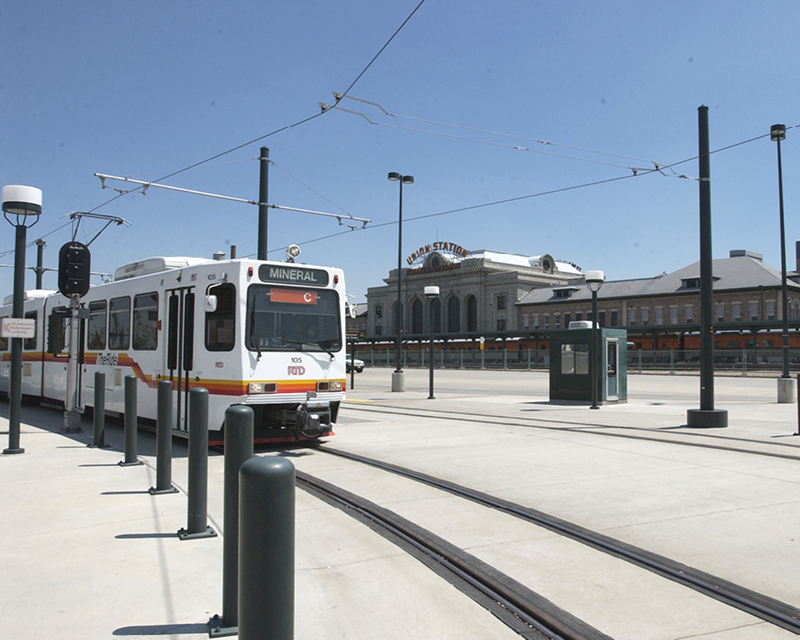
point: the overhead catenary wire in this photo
(657, 169)
(275, 131)
(298, 123)
(658, 166)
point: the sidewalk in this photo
(86, 552)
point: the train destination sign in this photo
(293, 296)
(18, 328)
(290, 274)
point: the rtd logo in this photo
(296, 371)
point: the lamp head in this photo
(431, 292)
(777, 132)
(395, 177)
(594, 280)
(22, 201)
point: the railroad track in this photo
(749, 446)
(524, 611)
(514, 603)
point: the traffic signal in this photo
(74, 269)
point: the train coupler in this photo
(313, 417)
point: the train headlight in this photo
(262, 387)
(332, 385)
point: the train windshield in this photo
(292, 319)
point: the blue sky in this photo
(144, 89)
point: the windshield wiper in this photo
(252, 337)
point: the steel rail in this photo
(757, 604)
(597, 429)
(541, 615)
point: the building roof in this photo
(522, 261)
(743, 270)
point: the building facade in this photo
(478, 291)
(745, 291)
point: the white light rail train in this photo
(269, 335)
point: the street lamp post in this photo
(594, 280)
(777, 133)
(398, 382)
(19, 203)
(431, 293)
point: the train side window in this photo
(30, 343)
(145, 321)
(3, 341)
(221, 323)
(97, 325)
(119, 323)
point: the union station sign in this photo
(438, 256)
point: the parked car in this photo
(359, 364)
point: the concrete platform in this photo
(87, 552)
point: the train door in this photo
(612, 366)
(180, 349)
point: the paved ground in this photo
(87, 552)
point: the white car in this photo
(359, 365)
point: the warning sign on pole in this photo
(18, 328)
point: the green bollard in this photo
(266, 549)
(99, 421)
(164, 440)
(198, 468)
(239, 421)
(131, 424)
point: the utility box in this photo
(570, 357)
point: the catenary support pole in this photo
(263, 201)
(239, 434)
(266, 556)
(131, 425)
(196, 526)
(164, 440)
(707, 415)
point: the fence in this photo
(639, 360)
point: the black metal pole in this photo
(197, 499)
(399, 314)
(18, 311)
(99, 421)
(706, 268)
(594, 351)
(352, 365)
(706, 416)
(40, 245)
(784, 292)
(263, 200)
(131, 425)
(430, 382)
(239, 421)
(163, 439)
(266, 556)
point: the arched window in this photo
(437, 316)
(472, 313)
(416, 316)
(453, 315)
(394, 317)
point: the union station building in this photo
(508, 296)
(479, 290)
